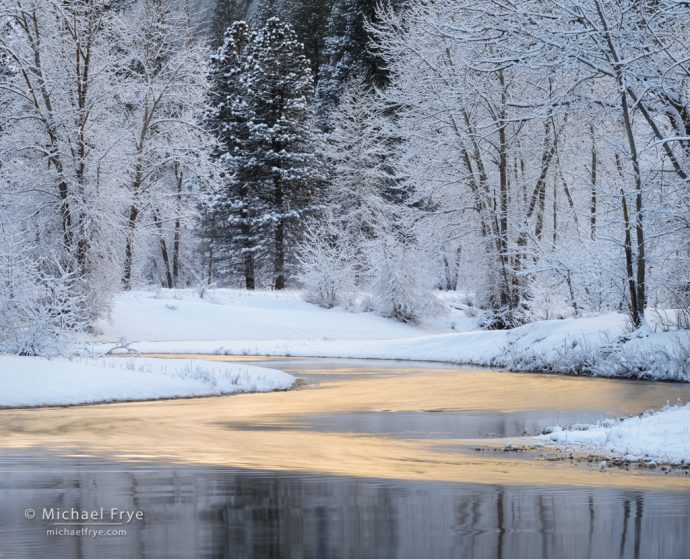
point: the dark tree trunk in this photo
(593, 199)
(129, 247)
(164, 252)
(279, 238)
(249, 280)
(634, 307)
(248, 252)
(178, 228)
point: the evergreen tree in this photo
(280, 148)
(261, 113)
(229, 207)
(347, 49)
(309, 19)
(225, 14)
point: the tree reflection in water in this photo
(215, 512)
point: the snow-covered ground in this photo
(35, 381)
(663, 436)
(234, 314)
(227, 321)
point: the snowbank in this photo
(236, 322)
(34, 381)
(224, 314)
(663, 436)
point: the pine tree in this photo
(340, 55)
(347, 49)
(261, 113)
(360, 178)
(309, 19)
(226, 13)
(280, 148)
(229, 207)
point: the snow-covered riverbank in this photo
(35, 381)
(662, 437)
(268, 323)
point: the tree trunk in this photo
(129, 247)
(554, 233)
(510, 292)
(634, 308)
(164, 251)
(279, 239)
(178, 228)
(249, 280)
(638, 299)
(248, 251)
(593, 180)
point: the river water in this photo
(365, 459)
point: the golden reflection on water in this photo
(235, 431)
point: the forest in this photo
(531, 157)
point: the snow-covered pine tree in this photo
(229, 209)
(347, 51)
(280, 146)
(262, 115)
(308, 18)
(225, 13)
(342, 48)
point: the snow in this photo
(234, 314)
(227, 321)
(663, 436)
(236, 322)
(35, 381)
(280, 323)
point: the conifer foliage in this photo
(262, 88)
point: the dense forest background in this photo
(534, 158)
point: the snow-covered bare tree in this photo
(460, 103)
(162, 99)
(630, 58)
(546, 163)
(91, 132)
(58, 136)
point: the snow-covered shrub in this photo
(397, 289)
(327, 266)
(502, 318)
(41, 304)
(627, 356)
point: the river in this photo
(363, 459)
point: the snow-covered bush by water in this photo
(327, 266)
(41, 304)
(627, 356)
(398, 291)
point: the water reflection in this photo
(430, 425)
(207, 512)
